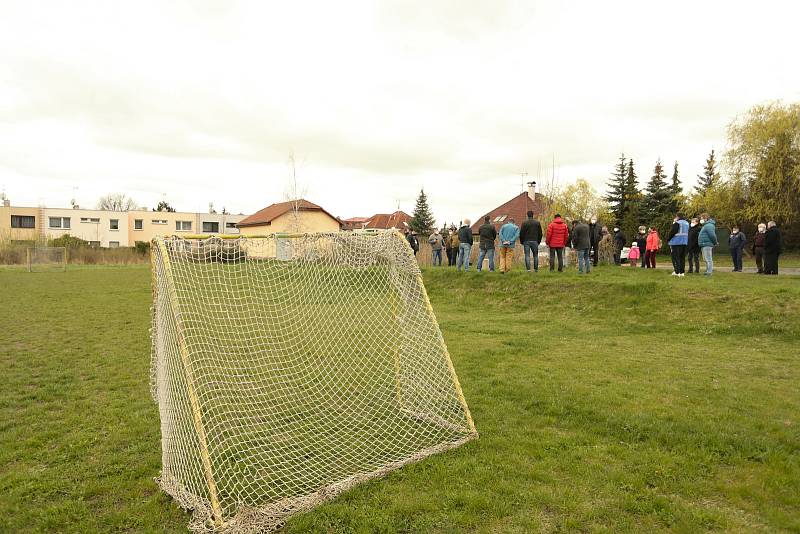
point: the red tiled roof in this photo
(384, 221)
(517, 208)
(354, 223)
(273, 211)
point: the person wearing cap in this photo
(633, 255)
(464, 246)
(641, 243)
(411, 237)
(437, 243)
(486, 234)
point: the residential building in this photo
(354, 223)
(145, 225)
(110, 229)
(386, 221)
(100, 228)
(19, 223)
(517, 208)
(294, 216)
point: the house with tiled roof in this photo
(293, 216)
(516, 208)
(385, 221)
(354, 223)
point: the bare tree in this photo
(294, 193)
(116, 202)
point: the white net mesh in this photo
(287, 370)
(42, 259)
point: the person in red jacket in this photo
(557, 238)
(653, 244)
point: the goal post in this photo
(46, 259)
(285, 375)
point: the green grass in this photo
(626, 400)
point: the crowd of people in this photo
(593, 243)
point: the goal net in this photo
(43, 259)
(289, 369)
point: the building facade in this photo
(111, 229)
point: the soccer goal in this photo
(44, 259)
(285, 375)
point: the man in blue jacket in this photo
(707, 241)
(509, 233)
(678, 240)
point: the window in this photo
(500, 218)
(94, 244)
(183, 226)
(113, 244)
(210, 227)
(93, 220)
(230, 226)
(113, 224)
(138, 224)
(59, 222)
(159, 221)
(23, 221)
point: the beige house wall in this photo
(151, 229)
(89, 225)
(300, 222)
(18, 234)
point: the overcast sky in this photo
(203, 101)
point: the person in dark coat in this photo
(641, 244)
(773, 247)
(595, 235)
(758, 247)
(619, 244)
(530, 235)
(581, 243)
(736, 243)
(694, 246)
(411, 237)
(464, 246)
(487, 234)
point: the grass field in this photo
(622, 401)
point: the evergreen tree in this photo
(676, 191)
(616, 189)
(657, 196)
(633, 201)
(422, 220)
(709, 176)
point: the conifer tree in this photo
(616, 189)
(422, 220)
(676, 191)
(709, 176)
(633, 201)
(657, 195)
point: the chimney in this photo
(6, 203)
(532, 190)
